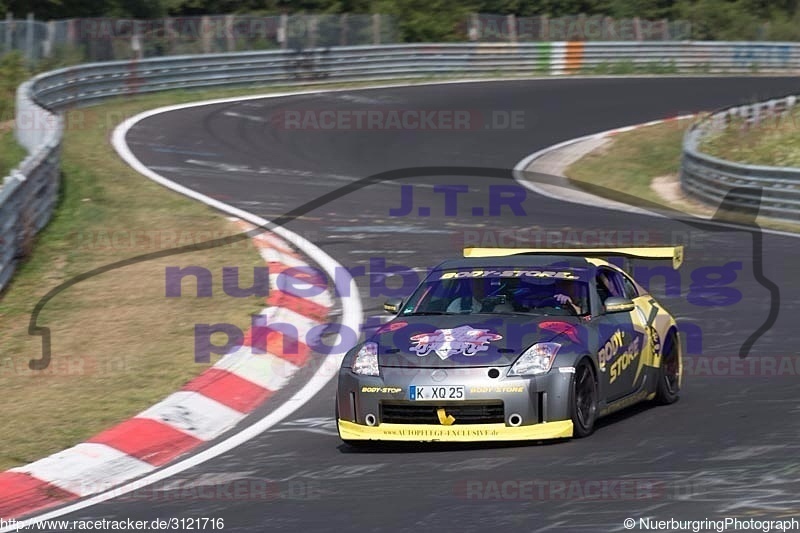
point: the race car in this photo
(512, 344)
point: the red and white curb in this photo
(205, 408)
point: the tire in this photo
(583, 400)
(668, 384)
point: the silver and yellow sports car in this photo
(512, 344)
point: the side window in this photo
(609, 283)
(630, 289)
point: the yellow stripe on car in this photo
(455, 433)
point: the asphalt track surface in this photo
(727, 448)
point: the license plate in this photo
(436, 392)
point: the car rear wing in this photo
(675, 253)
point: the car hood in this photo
(438, 341)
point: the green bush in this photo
(783, 27)
(428, 20)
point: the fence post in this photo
(231, 42)
(47, 45)
(544, 26)
(608, 33)
(511, 22)
(343, 29)
(637, 29)
(137, 49)
(313, 31)
(9, 31)
(665, 31)
(206, 33)
(169, 35)
(581, 28)
(281, 37)
(72, 33)
(29, 29)
(376, 28)
(473, 32)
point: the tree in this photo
(721, 20)
(141, 9)
(53, 9)
(428, 20)
(644, 9)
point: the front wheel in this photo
(583, 400)
(668, 385)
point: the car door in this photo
(620, 341)
(650, 318)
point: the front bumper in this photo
(465, 433)
(497, 407)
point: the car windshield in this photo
(501, 292)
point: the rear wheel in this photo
(668, 385)
(583, 400)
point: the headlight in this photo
(536, 360)
(366, 361)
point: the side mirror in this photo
(617, 304)
(393, 305)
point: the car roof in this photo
(520, 260)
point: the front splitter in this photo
(465, 433)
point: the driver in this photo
(605, 286)
(470, 294)
(568, 293)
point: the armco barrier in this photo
(768, 191)
(29, 193)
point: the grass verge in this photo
(645, 163)
(119, 345)
(630, 160)
(11, 153)
(772, 142)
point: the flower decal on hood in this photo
(446, 342)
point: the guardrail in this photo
(29, 194)
(765, 190)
